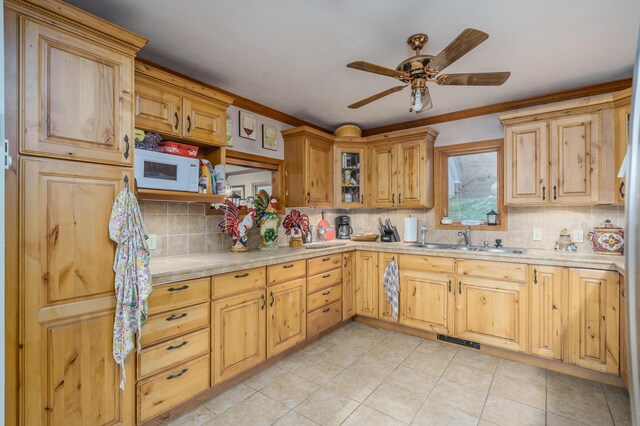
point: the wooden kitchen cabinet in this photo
(401, 167)
(239, 334)
(562, 154)
(594, 320)
(350, 174)
(624, 345)
(548, 306)
(427, 301)
(286, 316)
(308, 156)
(367, 284)
(158, 109)
(492, 312)
(621, 118)
(384, 307)
(203, 121)
(348, 285)
(78, 99)
(527, 163)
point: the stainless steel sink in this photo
(507, 250)
(430, 245)
(465, 248)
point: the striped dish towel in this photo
(392, 286)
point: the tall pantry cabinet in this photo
(69, 119)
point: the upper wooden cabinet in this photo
(77, 96)
(561, 154)
(308, 157)
(621, 117)
(350, 169)
(401, 169)
(174, 106)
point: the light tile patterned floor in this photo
(361, 375)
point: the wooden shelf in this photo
(188, 197)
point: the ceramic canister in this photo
(607, 238)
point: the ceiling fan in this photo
(418, 70)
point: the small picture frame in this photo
(248, 126)
(238, 190)
(269, 137)
(229, 135)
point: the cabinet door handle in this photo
(449, 286)
(459, 287)
(325, 310)
(621, 190)
(308, 197)
(176, 317)
(264, 302)
(326, 292)
(288, 266)
(273, 299)
(555, 195)
(184, 287)
(361, 199)
(175, 114)
(126, 146)
(544, 193)
(535, 276)
(175, 376)
(188, 124)
(246, 274)
(399, 197)
(170, 348)
(393, 198)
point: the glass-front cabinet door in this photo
(350, 176)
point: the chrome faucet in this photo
(467, 236)
(424, 234)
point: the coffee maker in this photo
(343, 225)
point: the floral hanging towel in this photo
(132, 277)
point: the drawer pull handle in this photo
(176, 317)
(175, 376)
(170, 348)
(288, 266)
(184, 287)
(326, 310)
(324, 259)
(246, 274)
(326, 275)
(326, 292)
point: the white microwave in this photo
(156, 170)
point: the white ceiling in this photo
(291, 54)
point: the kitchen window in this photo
(469, 184)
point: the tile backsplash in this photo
(185, 229)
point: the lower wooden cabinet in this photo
(384, 307)
(323, 319)
(624, 319)
(348, 285)
(367, 284)
(548, 305)
(286, 316)
(156, 358)
(594, 320)
(239, 334)
(492, 312)
(427, 301)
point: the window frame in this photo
(441, 174)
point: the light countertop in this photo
(178, 268)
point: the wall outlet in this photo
(536, 234)
(151, 241)
(577, 235)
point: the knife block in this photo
(387, 237)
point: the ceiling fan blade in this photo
(426, 101)
(376, 97)
(376, 69)
(463, 44)
(473, 79)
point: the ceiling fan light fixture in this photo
(417, 101)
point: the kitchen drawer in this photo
(496, 270)
(286, 271)
(426, 263)
(166, 390)
(237, 282)
(323, 319)
(321, 264)
(156, 358)
(324, 280)
(175, 295)
(173, 323)
(324, 297)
